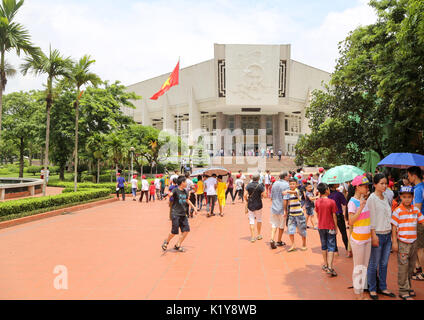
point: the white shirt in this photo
(157, 183)
(210, 186)
(190, 185)
(144, 185)
(267, 179)
(134, 183)
(172, 177)
(239, 184)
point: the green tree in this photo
(376, 91)
(13, 37)
(80, 76)
(55, 66)
(20, 123)
(97, 148)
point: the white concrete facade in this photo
(243, 87)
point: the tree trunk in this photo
(21, 158)
(46, 152)
(98, 170)
(62, 172)
(30, 157)
(2, 87)
(76, 143)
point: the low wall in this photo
(19, 187)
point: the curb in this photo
(48, 214)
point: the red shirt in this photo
(152, 189)
(326, 208)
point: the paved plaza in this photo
(114, 251)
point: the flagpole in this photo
(178, 130)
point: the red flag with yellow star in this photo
(171, 81)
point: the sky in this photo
(134, 40)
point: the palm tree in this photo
(55, 66)
(13, 36)
(80, 76)
(96, 146)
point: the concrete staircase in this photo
(253, 164)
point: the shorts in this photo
(134, 191)
(254, 214)
(298, 222)
(278, 221)
(328, 240)
(179, 222)
(310, 211)
(420, 236)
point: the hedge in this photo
(32, 204)
(69, 186)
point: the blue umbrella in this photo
(402, 160)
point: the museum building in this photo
(244, 87)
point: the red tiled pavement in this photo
(113, 252)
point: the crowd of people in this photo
(374, 215)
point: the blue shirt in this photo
(120, 181)
(277, 196)
(419, 195)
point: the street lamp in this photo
(132, 153)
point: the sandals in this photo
(281, 244)
(392, 295)
(419, 276)
(179, 249)
(259, 237)
(331, 272)
(252, 240)
(407, 297)
(164, 245)
(411, 293)
(292, 249)
(273, 246)
(324, 268)
(304, 248)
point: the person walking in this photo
(134, 187)
(211, 185)
(120, 185)
(230, 187)
(253, 197)
(278, 207)
(360, 239)
(280, 153)
(239, 188)
(381, 233)
(199, 192)
(220, 190)
(144, 189)
(267, 182)
(179, 209)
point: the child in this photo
(404, 236)
(220, 191)
(199, 192)
(144, 189)
(239, 187)
(296, 219)
(327, 227)
(157, 187)
(309, 204)
(179, 210)
(134, 186)
(152, 191)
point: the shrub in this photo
(31, 204)
(34, 170)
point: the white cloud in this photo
(144, 40)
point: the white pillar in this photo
(145, 118)
(168, 116)
(194, 117)
(282, 132)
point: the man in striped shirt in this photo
(296, 218)
(404, 236)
